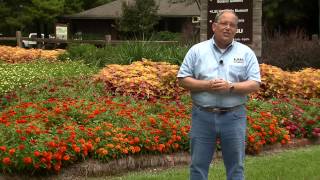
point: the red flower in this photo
(21, 147)
(37, 153)
(52, 144)
(3, 148)
(311, 122)
(27, 160)
(136, 139)
(57, 156)
(57, 110)
(18, 131)
(6, 161)
(57, 167)
(12, 151)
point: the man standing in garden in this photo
(220, 73)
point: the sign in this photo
(62, 31)
(243, 8)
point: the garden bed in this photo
(96, 168)
(135, 163)
(69, 123)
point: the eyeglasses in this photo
(226, 24)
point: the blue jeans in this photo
(230, 127)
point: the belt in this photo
(218, 109)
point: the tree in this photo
(286, 15)
(13, 15)
(139, 18)
(44, 13)
(72, 6)
(27, 14)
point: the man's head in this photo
(225, 27)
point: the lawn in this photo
(298, 164)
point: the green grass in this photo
(300, 164)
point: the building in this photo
(101, 20)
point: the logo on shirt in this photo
(238, 60)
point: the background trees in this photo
(29, 15)
(138, 19)
(38, 15)
(286, 15)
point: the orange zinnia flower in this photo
(76, 149)
(66, 157)
(137, 149)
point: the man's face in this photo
(225, 29)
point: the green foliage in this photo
(139, 18)
(14, 14)
(287, 14)
(126, 53)
(20, 15)
(166, 36)
(72, 6)
(45, 11)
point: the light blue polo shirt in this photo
(205, 61)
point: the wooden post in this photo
(108, 38)
(203, 20)
(18, 36)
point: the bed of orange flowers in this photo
(56, 132)
(18, 55)
(59, 122)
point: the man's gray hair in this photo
(217, 18)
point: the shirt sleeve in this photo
(187, 66)
(253, 69)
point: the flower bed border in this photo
(96, 168)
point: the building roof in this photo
(113, 10)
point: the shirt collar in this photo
(214, 43)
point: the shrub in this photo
(18, 55)
(125, 53)
(292, 52)
(166, 36)
(142, 79)
(278, 83)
